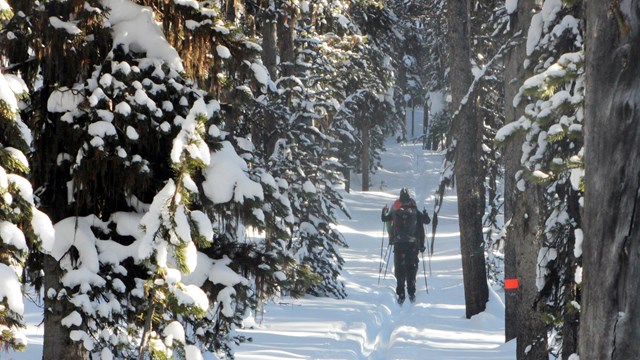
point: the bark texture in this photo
(522, 319)
(514, 76)
(366, 144)
(269, 43)
(610, 323)
(467, 132)
(59, 68)
(526, 230)
(265, 136)
(287, 20)
(57, 344)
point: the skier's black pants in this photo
(405, 260)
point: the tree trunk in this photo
(287, 20)
(402, 85)
(366, 140)
(413, 120)
(58, 69)
(468, 170)
(230, 10)
(425, 124)
(610, 323)
(47, 175)
(522, 320)
(346, 173)
(526, 231)
(265, 135)
(57, 344)
(269, 43)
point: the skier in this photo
(406, 234)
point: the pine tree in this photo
(23, 228)
(247, 93)
(466, 143)
(517, 237)
(552, 160)
(117, 177)
(373, 106)
(52, 53)
(299, 157)
(490, 42)
(410, 55)
(122, 165)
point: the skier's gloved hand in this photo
(385, 213)
(426, 220)
(422, 249)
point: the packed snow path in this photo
(368, 324)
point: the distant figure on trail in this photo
(406, 233)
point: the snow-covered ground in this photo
(368, 324)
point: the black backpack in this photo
(405, 220)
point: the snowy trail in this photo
(369, 324)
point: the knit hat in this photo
(404, 195)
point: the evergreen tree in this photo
(265, 103)
(23, 228)
(518, 240)
(466, 145)
(552, 159)
(53, 45)
(300, 105)
(425, 41)
(113, 160)
(373, 106)
(123, 165)
(477, 115)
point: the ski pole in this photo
(384, 225)
(388, 258)
(434, 224)
(424, 270)
(385, 256)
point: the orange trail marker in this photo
(510, 284)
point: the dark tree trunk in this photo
(610, 322)
(402, 85)
(514, 75)
(62, 65)
(265, 135)
(57, 344)
(269, 43)
(522, 320)
(346, 173)
(366, 144)
(230, 10)
(425, 124)
(526, 231)
(467, 131)
(287, 20)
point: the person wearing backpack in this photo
(406, 234)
